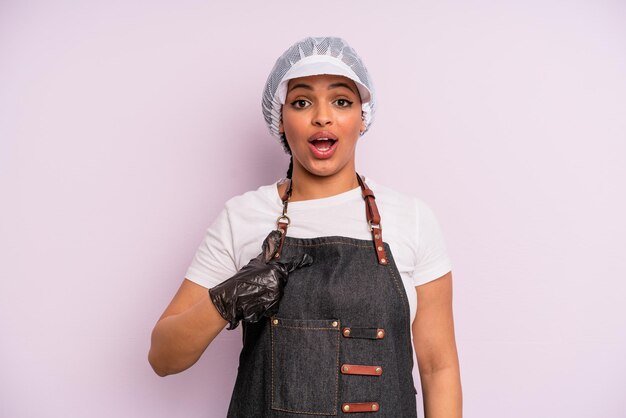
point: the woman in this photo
(330, 307)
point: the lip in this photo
(319, 154)
(323, 134)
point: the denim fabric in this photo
(305, 349)
(290, 364)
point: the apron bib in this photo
(340, 342)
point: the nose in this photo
(322, 117)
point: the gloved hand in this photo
(257, 288)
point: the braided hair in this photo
(285, 144)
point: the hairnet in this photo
(314, 56)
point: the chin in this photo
(320, 172)
(324, 169)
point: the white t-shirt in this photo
(409, 227)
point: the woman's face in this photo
(322, 121)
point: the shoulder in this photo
(396, 204)
(408, 218)
(250, 216)
(264, 196)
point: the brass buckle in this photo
(282, 218)
(372, 226)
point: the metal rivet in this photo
(346, 408)
(380, 248)
(345, 369)
(383, 260)
(380, 334)
(277, 255)
(275, 322)
(374, 407)
(377, 236)
(379, 370)
(346, 332)
(334, 323)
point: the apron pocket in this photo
(305, 365)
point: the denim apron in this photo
(340, 342)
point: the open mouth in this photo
(323, 144)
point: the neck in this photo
(308, 186)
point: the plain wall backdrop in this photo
(125, 126)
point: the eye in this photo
(300, 104)
(343, 102)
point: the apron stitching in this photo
(292, 327)
(337, 374)
(304, 412)
(327, 243)
(272, 352)
(401, 293)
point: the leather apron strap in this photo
(371, 213)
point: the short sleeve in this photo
(214, 261)
(432, 259)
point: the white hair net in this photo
(314, 56)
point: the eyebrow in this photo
(335, 85)
(331, 86)
(301, 85)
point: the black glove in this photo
(257, 288)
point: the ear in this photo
(363, 125)
(281, 128)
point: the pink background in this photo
(125, 125)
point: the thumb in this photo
(270, 245)
(303, 260)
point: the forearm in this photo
(442, 393)
(179, 340)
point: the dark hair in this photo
(283, 141)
